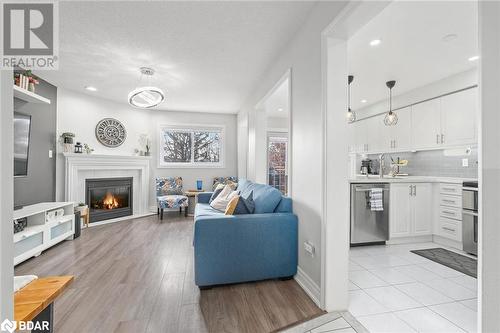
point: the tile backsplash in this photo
(432, 163)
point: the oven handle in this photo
(470, 189)
(369, 190)
(466, 212)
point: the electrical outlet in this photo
(465, 162)
(309, 248)
(50, 153)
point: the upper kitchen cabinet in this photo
(398, 137)
(459, 118)
(426, 125)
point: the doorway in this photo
(277, 161)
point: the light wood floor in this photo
(137, 276)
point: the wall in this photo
(6, 195)
(278, 124)
(40, 184)
(79, 113)
(303, 56)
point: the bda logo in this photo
(8, 326)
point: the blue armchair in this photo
(169, 194)
(251, 247)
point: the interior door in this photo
(400, 211)
(426, 124)
(422, 214)
(459, 117)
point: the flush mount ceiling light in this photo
(364, 101)
(90, 88)
(474, 58)
(280, 109)
(375, 42)
(350, 115)
(390, 118)
(147, 96)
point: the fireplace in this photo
(109, 198)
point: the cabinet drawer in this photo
(28, 243)
(450, 212)
(451, 229)
(450, 200)
(455, 189)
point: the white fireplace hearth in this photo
(79, 167)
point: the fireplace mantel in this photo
(79, 167)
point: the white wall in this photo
(6, 195)
(303, 56)
(279, 124)
(489, 167)
(79, 113)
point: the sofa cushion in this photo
(203, 209)
(216, 192)
(220, 203)
(266, 197)
(240, 205)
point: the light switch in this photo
(465, 162)
(50, 153)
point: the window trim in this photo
(191, 128)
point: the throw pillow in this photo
(216, 193)
(240, 205)
(220, 203)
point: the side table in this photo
(193, 199)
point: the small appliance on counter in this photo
(366, 167)
(470, 216)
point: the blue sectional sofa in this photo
(251, 247)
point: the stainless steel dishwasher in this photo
(369, 226)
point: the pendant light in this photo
(390, 118)
(350, 115)
(148, 96)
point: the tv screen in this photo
(22, 125)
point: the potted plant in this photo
(87, 149)
(81, 207)
(67, 137)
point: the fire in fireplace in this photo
(109, 198)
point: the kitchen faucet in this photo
(381, 160)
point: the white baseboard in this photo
(309, 286)
(407, 240)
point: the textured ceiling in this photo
(207, 55)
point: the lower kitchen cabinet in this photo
(410, 212)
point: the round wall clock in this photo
(110, 132)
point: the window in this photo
(191, 147)
(277, 161)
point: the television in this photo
(22, 128)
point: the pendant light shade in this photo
(147, 96)
(391, 118)
(350, 115)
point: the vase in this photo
(199, 185)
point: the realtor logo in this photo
(8, 326)
(29, 35)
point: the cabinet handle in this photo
(448, 212)
(411, 192)
(437, 138)
(449, 229)
(394, 143)
(415, 190)
(442, 138)
(448, 189)
(450, 201)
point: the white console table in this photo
(42, 231)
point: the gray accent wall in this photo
(40, 184)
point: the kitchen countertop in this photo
(409, 179)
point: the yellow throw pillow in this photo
(231, 206)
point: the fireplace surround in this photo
(109, 198)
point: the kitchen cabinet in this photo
(458, 118)
(410, 214)
(426, 124)
(398, 137)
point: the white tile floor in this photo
(394, 290)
